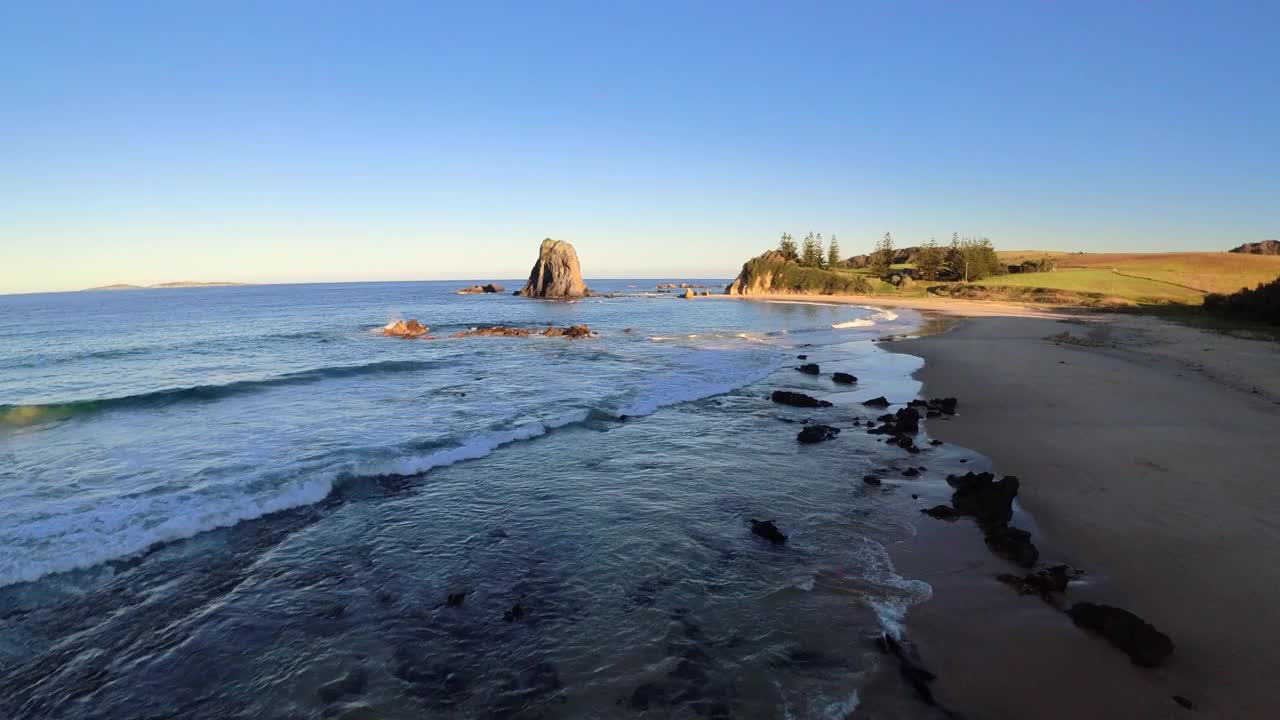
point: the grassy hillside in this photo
(1102, 282)
(1208, 272)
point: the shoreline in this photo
(948, 306)
(1142, 465)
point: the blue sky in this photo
(345, 141)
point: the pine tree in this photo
(810, 252)
(833, 254)
(929, 261)
(822, 257)
(882, 259)
(787, 246)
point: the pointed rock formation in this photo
(556, 274)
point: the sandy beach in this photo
(1146, 451)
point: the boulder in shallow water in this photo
(405, 329)
(880, 402)
(573, 332)
(767, 530)
(844, 378)
(1140, 640)
(482, 289)
(817, 433)
(809, 369)
(556, 273)
(795, 399)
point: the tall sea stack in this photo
(556, 274)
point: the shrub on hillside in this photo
(1261, 303)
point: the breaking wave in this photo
(18, 415)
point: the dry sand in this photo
(1148, 453)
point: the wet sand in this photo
(1148, 455)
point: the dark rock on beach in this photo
(1013, 544)
(907, 420)
(802, 357)
(942, 512)
(796, 399)
(946, 406)
(871, 479)
(809, 369)
(1140, 640)
(767, 530)
(915, 675)
(1047, 582)
(817, 433)
(556, 273)
(979, 495)
(843, 378)
(880, 402)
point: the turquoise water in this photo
(247, 502)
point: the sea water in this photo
(247, 502)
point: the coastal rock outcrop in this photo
(809, 369)
(405, 329)
(573, 332)
(556, 274)
(844, 378)
(1265, 247)
(795, 399)
(482, 289)
(1047, 582)
(772, 272)
(989, 501)
(1140, 640)
(767, 530)
(817, 433)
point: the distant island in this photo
(179, 284)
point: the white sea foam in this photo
(87, 532)
(843, 709)
(81, 534)
(474, 448)
(707, 373)
(879, 316)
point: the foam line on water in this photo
(77, 536)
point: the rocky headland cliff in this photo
(1265, 247)
(773, 273)
(556, 274)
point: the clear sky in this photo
(275, 141)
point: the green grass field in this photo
(1143, 291)
(1210, 272)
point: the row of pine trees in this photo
(965, 259)
(810, 253)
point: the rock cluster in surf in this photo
(489, 289)
(405, 329)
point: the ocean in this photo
(237, 502)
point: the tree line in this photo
(966, 259)
(810, 253)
